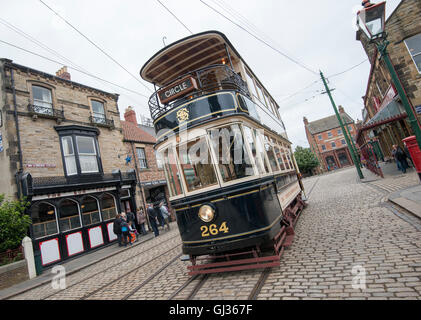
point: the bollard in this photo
(28, 251)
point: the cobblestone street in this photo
(347, 224)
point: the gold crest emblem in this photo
(182, 115)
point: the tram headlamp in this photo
(206, 213)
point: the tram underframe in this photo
(254, 257)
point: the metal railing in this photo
(210, 79)
(49, 112)
(101, 121)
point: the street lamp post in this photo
(371, 20)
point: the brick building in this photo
(62, 147)
(384, 117)
(140, 141)
(327, 141)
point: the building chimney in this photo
(305, 120)
(63, 74)
(341, 109)
(130, 115)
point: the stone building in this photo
(384, 117)
(63, 150)
(327, 141)
(140, 141)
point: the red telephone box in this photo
(415, 152)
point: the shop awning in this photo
(391, 112)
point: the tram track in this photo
(108, 268)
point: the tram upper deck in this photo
(203, 78)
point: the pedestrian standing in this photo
(165, 214)
(125, 232)
(408, 155)
(400, 158)
(153, 217)
(131, 219)
(117, 229)
(141, 219)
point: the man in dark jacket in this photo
(117, 229)
(152, 216)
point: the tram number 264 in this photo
(213, 229)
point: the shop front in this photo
(71, 219)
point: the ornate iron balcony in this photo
(210, 79)
(45, 112)
(101, 121)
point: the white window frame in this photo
(145, 166)
(95, 154)
(410, 53)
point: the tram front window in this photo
(233, 160)
(196, 165)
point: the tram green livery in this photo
(230, 170)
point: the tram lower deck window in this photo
(233, 159)
(196, 165)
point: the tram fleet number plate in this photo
(214, 229)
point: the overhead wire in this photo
(95, 45)
(175, 16)
(261, 40)
(78, 70)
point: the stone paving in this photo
(346, 236)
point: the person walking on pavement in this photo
(165, 214)
(117, 229)
(153, 216)
(408, 155)
(400, 158)
(141, 219)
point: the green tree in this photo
(306, 160)
(14, 223)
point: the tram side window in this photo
(233, 160)
(285, 159)
(248, 134)
(261, 149)
(252, 85)
(171, 172)
(271, 155)
(278, 156)
(196, 165)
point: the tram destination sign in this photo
(177, 89)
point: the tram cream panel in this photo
(286, 197)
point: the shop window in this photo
(196, 165)
(42, 100)
(108, 208)
(172, 174)
(69, 218)
(90, 211)
(233, 159)
(44, 220)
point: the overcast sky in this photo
(318, 34)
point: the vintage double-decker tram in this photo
(231, 174)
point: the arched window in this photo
(44, 219)
(69, 218)
(90, 211)
(108, 207)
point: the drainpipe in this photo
(18, 174)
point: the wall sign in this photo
(418, 109)
(177, 89)
(40, 165)
(388, 97)
(1, 142)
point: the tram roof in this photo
(190, 53)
